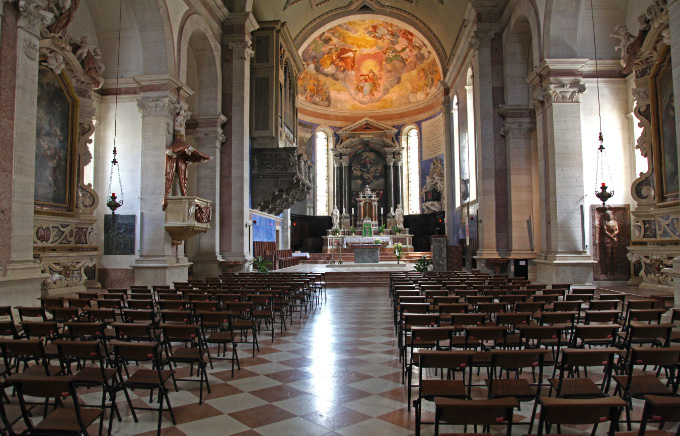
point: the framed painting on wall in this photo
(664, 130)
(56, 144)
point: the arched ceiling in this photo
(368, 62)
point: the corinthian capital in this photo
(481, 39)
(33, 14)
(156, 107)
(242, 50)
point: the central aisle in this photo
(336, 372)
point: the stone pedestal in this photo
(438, 252)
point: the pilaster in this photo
(235, 154)
(209, 137)
(562, 258)
(20, 275)
(158, 262)
(517, 127)
(449, 170)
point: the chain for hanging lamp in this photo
(115, 202)
(602, 175)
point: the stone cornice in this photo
(155, 82)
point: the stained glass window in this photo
(321, 173)
(413, 163)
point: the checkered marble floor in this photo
(334, 372)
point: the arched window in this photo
(472, 144)
(413, 170)
(321, 164)
(456, 151)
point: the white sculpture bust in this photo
(399, 216)
(335, 215)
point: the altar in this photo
(367, 253)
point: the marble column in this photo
(337, 175)
(562, 258)
(235, 158)
(399, 198)
(20, 274)
(449, 170)
(517, 128)
(491, 169)
(390, 184)
(209, 137)
(158, 262)
(347, 205)
(285, 230)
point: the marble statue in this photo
(399, 216)
(335, 215)
(179, 155)
(626, 39)
(610, 241)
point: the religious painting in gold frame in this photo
(56, 157)
(664, 135)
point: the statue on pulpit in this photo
(335, 215)
(399, 216)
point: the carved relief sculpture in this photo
(611, 235)
(179, 155)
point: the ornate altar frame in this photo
(655, 239)
(64, 243)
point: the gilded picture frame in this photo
(664, 136)
(56, 150)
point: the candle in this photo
(381, 210)
(603, 185)
(344, 212)
(352, 211)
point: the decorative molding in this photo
(30, 50)
(566, 93)
(652, 267)
(156, 107)
(516, 128)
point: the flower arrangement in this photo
(397, 230)
(336, 231)
(381, 229)
(398, 251)
(423, 264)
(352, 230)
(378, 241)
(260, 265)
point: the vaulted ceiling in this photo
(439, 21)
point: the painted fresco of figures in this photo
(52, 151)
(368, 64)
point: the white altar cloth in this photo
(366, 240)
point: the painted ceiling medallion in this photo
(316, 3)
(367, 64)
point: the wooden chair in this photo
(571, 384)
(474, 412)
(448, 362)
(193, 353)
(62, 421)
(658, 409)
(636, 386)
(592, 411)
(216, 329)
(151, 379)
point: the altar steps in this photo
(373, 279)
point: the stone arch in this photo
(155, 34)
(196, 37)
(560, 34)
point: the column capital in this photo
(243, 49)
(32, 15)
(151, 107)
(517, 128)
(209, 137)
(390, 161)
(344, 161)
(337, 160)
(481, 39)
(544, 96)
(397, 161)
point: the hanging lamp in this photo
(603, 174)
(114, 202)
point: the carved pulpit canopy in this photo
(369, 130)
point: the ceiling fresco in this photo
(367, 64)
